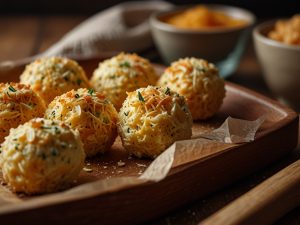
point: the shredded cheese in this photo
(147, 127)
(18, 104)
(199, 82)
(53, 76)
(124, 72)
(41, 156)
(91, 114)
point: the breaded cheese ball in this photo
(199, 82)
(51, 77)
(122, 73)
(41, 156)
(91, 114)
(18, 104)
(152, 119)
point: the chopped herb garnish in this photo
(78, 82)
(128, 130)
(201, 69)
(112, 77)
(97, 114)
(105, 120)
(77, 95)
(91, 91)
(57, 130)
(31, 104)
(140, 97)
(167, 92)
(125, 64)
(126, 114)
(11, 88)
(54, 152)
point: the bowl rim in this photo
(257, 34)
(155, 22)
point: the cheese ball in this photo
(122, 73)
(199, 82)
(18, 104)
(152, 119)
(91, 114)
(41, 156)
(51, 77)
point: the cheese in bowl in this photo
(287, 31)
(91, 114)
(124, 72)
(201, 17)
(18, 104)
(51, 77)
(41, 156)
(152, 119)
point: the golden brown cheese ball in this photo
(51, 77)
(18, 104)
(199, 82)
(152, 119)
(41, 156)
(91, 114)
(122, 73)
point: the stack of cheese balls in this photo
(41, 155)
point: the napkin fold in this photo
(123, 27)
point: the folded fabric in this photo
(123, 27)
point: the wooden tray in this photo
(137, 203)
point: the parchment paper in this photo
(230, 134)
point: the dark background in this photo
(262, 8)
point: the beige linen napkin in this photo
(124, 27)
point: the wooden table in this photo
(23, 36)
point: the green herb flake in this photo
(105, 120)
(91, 91)
(57, 130)
(200, 69)
(54, 152)
(128, 130)
(11, 88)
(79, 81)
(77, 95)
(140, 97)
(167, 92)
(126, 114)
(125, 64)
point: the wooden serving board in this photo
(138, 202)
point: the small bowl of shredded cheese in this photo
(277, 46)
(217, 33)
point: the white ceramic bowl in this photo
(280, 64)
(223, 46)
